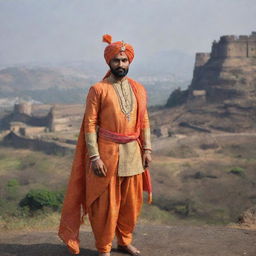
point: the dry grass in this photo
(28, 170)
(190, 189)
(40, 223)
(214, 185)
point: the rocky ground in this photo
(153, 240)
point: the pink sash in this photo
(122, 139)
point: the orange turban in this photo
(114, 48)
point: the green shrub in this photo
(13, 183)
(38, 199)
(238, 171)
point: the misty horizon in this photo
(50, 31)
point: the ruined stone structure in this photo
(23, 108)
(228, 72)
(22, 117)
(201, 58)
(57, 124)
(235, 46)
(161, 131)
(51, 119)
(48, 146)
(222, 94)
(52, 130)
(22, 121)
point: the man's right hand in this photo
(99, 168)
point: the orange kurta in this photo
(84, 186)
(103, 110)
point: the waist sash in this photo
(122, 139)
(117, 137)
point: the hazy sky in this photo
(70, 30)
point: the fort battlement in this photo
(22, 116)
(241, 38)
(228, 72)
(235, 46)
(23, 108)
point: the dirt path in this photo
(153, 240)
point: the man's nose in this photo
(120, 64)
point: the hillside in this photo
(39, 78)
(69, 85)
(205, 178)
(196, 179)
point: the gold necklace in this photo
(125, 105)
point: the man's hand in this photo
(146, 159)
(99, 168)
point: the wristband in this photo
(95, 158)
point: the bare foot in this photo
(129, 249)
(104, 253)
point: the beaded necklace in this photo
(125, 98)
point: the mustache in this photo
(120, 69)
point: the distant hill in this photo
(39, 78)
(70, 83)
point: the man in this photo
(115, 142)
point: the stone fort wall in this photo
(233, 46)
(23, 108)
(49, 147)
(201, 58)
(229, 47)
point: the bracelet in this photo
(95, 158)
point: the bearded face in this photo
(119, 72)
(119, 65)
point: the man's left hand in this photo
(146, 159)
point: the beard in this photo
(119, 72)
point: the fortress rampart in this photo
(23, 117)
(228, 47)
(228, 72)
(235, 46)
(49, 147)
(23, 108)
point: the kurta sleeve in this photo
(145, 133)
(91, 122)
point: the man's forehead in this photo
(120, 56)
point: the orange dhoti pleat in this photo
(116, 211)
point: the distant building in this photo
(235, 46)
(227, 72)
(22, 121)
